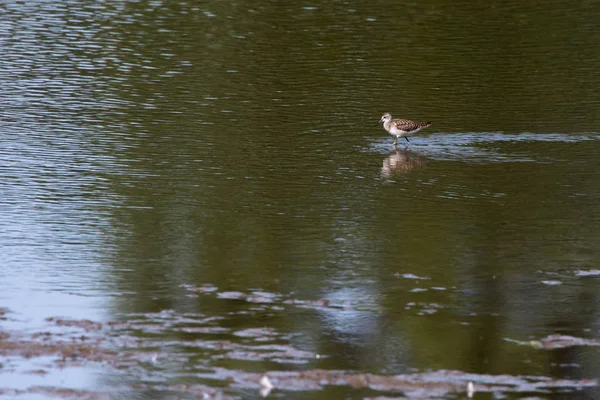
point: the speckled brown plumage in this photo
(408, 125)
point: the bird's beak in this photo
(379, 122)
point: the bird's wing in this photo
(408, 125)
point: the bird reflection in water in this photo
(400, 161)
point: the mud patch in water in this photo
(260, 297)
(552, 342)
(430, 384)
(190, 354)
(54, 392)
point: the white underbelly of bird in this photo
(401, 132)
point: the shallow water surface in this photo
(196, 203)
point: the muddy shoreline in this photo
(117, 348)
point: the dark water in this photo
(209, 175)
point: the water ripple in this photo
(483, 147)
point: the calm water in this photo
(210, 173)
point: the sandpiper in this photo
(401, 127)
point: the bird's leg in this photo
(406, 137)
(395, 141)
